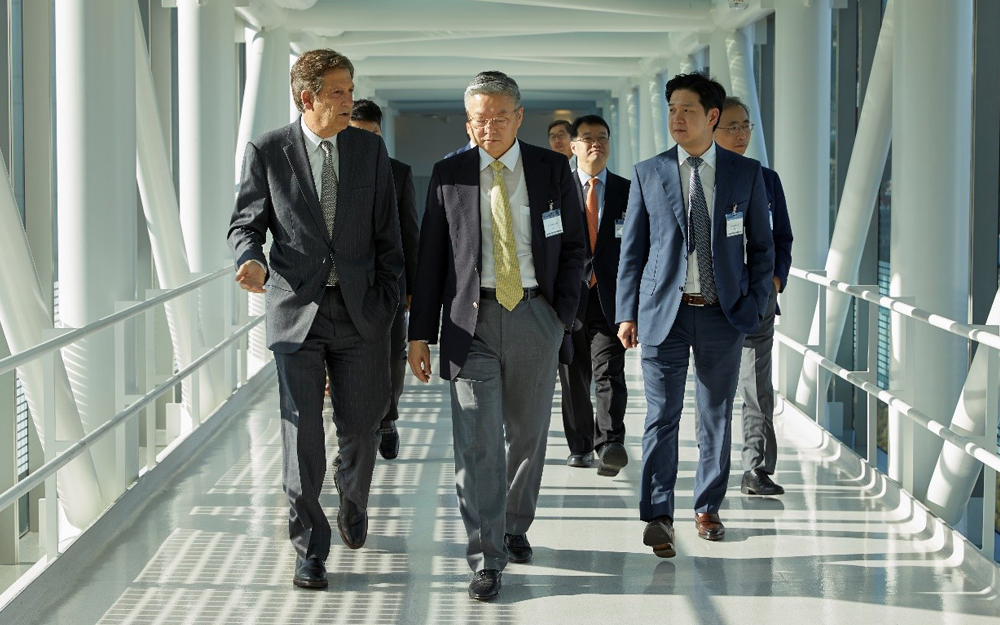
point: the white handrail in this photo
(21, 358)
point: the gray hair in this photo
(732, 102)
(493, 83)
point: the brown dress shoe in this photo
(709, 526)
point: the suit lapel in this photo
(467, 187)
(348, 162)
(536, 177)
(670, 177)
(613, 210)
(723, 175)
(295, 152)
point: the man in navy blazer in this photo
(695, 276)
(760, 446)
(597, 352)
(501, 253)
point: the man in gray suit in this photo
(501, 253)
(324, 191)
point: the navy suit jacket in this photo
(450, 254)
(781, 225)
(277, 194)
(653, 267)
(409, 228)
(608, 249)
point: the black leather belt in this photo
(696, 300)
(491, 294)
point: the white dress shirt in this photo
(602, 177)
(517, 195)
(316, 156)
(707, 173)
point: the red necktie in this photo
(592, 212)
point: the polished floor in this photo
(839, 547)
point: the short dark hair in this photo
(309, 70)
(560, 122)
(592, 120)
(366, 111)
(710, 93)
(732, 102)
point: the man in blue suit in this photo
(695, 275)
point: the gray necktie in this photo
(700, 232)
(328, 200)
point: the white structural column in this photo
(159, 203)
(24, 318)
(389, 129)
(744, 87)
(632, 105)
(718, 57)
(864, 176)
(802, 156)
(95, 88)
(647, 140)
(658, 107)
(624, 134)
(930, 211)
(206, 69)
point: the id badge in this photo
(619, 228)
(734, 224)
(552, 221)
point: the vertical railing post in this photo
(49, 523)
(820, 374)
(989, 441)
(871, 444)
(148, 382)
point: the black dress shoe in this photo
(485, 585)
(389, 447)
(518, 549)
(659, 534)
(709, 526)
(612, 458)
(580, 461)
(309, 573)
(757, 482)
(352, 520)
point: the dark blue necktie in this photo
(700, 232)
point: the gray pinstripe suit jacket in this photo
(277, 194)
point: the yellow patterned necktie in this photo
(508, 270)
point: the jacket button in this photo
(680, 288)
(475, 304)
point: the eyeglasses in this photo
(592, 140)
(497, 122)
(735, 130)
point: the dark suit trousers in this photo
(717, 347)
(397, 358)
(597, 355)
(359, 389)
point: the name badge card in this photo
(619, 228)
(734, 224)
(552, 221)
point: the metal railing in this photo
(982, 448)
(58, 453)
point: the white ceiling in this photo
(422, 53)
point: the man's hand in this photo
(627, 334)
(420, 360)
(251, 277)
(777, 284)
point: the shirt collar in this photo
(585, 177)
(312, 139)
(708, 156)
(509, 159)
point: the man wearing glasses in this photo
(760, 449)
(501, 252)
(597, 353)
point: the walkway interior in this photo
(839, 547)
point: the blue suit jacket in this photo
(446, 296)
(653, 267)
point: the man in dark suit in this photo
(324, 191)
(597, 352)
(760, 446)
(468, 146)
(501, 252)
(368, 116)
(695, 275)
